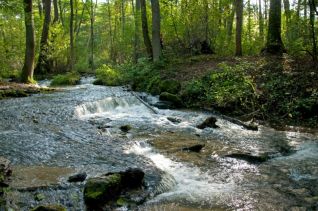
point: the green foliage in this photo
(71, 78)
(230, 86)
(106, 75)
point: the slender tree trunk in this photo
(312, 29)
(145, 31)
(288, 19)
(230, 24)
(206, 19)
(274, 43)
(28, 68)
(136, 9)
(61, 12)
(71, 59)
(56, 11)
(123, 17)
(40, 8)
(91, 62)
(260, 20)
(239, 25)
(156, 40)
(43, 65)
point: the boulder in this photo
(106, 190)
(80, 177)
(249, 158)
(195, 148)
(49, 208)
(209, 122)
(174, 99)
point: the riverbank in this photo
(272, 91)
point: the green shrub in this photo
(193, 92)
(231, 86)
(108, 76)
(71, 78)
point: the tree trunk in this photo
(136, 10)
(239, 25)
(28, 68)
(91, 61)
(156, 40)
(71, 59)
(145, 31)
(56, 11)
(43, 65)
(274, 43)
(261, 21)
(40, 8)
(312, 9)
(229, 25)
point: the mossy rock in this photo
(67, 79)
(50, 208)
(170, 86)
(99, 191)
(175, 99)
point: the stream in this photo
(49, 137)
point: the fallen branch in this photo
(232, 120)
(145, 103)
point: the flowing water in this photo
(51, 136)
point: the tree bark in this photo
(71, 56)
(239, 25)
(156, 40)
(28, 67)
(40, 8)
(56, 11)
(260, 20)
(91, 61)
(312, 9)
(274, 43)
(43, 65)
(145, 31)
(136, 10)
(229, 24)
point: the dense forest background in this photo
(110, 31)
(251, 58)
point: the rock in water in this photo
(107, 189)
(77, 177)
(174, 120)
(249, 158)
(209, 122)
(49, 208)
(195, 148)
(125, 128)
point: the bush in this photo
(105, 75)
(231, 86)
(71, 78)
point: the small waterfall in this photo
(184, 183)
(112, 106)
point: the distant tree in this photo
(239, 26)
(274, 44)
(156, 40)
(56, 11)
(71, 55)
(43, 65)
(28, 68)
(145, 31)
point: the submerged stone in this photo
(49, 208)
(195, 148)
(80, 177)
(125, 128)
(174, 120)
(249, 158)
(209, 122)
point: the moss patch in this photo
(71, 78)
